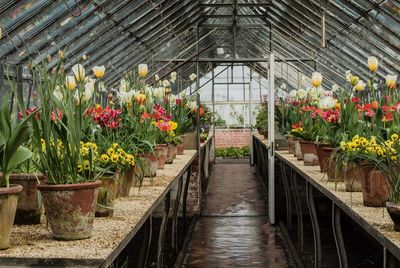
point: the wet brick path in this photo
(234, 230)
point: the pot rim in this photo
(13, 189)
(68, 187)
(27, 176)
(162, 145)
(306, 142)
(391, 204)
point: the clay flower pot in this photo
(180, 148)
(394, 213)
(374, 187)
(150, 165)
(352, 175)
(309, 153)
(125, 182)
(170, 153)
(107, 195)
(323, 156)
(29, 209)
(290, 145)
(70, 208)
(297, 149)
(8, 207)
(161, 151)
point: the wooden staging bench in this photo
(374, 221)
(33, 245)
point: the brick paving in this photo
(234, 230)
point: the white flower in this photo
(372, 64)
(360, 86)
(156, 77)
(313, 94)
(172, 99)
(122, 85)
(79, 72)
(335, 88)
(327, 103)
(283, 86)
(301, 93)
(166, 83)
(99, 71)
(193, 76)
(348, 76)
(158, 92)
(192, 105)
(126, 97)
(391, 81)
(328, 93)
(143, 70)
(102, 87)
(292, 94)
(316, 79)
(58, 94)
(173, 77)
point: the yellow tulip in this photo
(372, 64)
(99, 71)
(354, 80)
(79, 72)
(391, 81)
(143, 70)
(316, 79)
(360, 86)
(70, 82)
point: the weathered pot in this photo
(265, 134)
(180, 148)
(8, 207)
(352, 175)
(394, 213)
(70, 208)
(323, 156)
(297, 149)
(107, 195)
(150, 165)
(309, 153)
(161, 151)
(290, 145)
(125, 182)
(29, 207)
(190, 141)
(170, 153)
(374, 187)
(175, 151)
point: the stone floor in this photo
(234, 230)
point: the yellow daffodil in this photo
(99, 71)
(360, 86)
(354, 80)
(143, 70)
(372, 64)
(70, 82)
(316, 79)
(79, 72)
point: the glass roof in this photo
(162, 33)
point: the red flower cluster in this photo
(28, 112)
(163, 126)
(106, 117)
(331, 116)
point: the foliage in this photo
(262, 118)
(233, 152)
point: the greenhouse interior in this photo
(200, 133)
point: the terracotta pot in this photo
(297, 149)
(125, 182)
(175, 151)
(107, 195)
(352, 176)
(290, 144)
(323, 156)
(150, 165)
(265, 134)
(394, 213)
(8, 207)
(190, 141)
(161, 151)
(170, 153)
(180, 148)
(309, 153)
(29, 207)
(70, 208)
(374, 188)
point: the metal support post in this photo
(271, 140)
(213, 105)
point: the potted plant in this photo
(262, 120)
(12, 135)
(69, 194)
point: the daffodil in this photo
(143, 70)
(58, 94)
(79, 72)
(360, 86)
(193, 77)
(316, 79)
(372, 64)
(391, 81)
(99, 71)
(70, 82)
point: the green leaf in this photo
(21, 155)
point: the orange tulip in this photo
(140, 98)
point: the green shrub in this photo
(233, 152)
